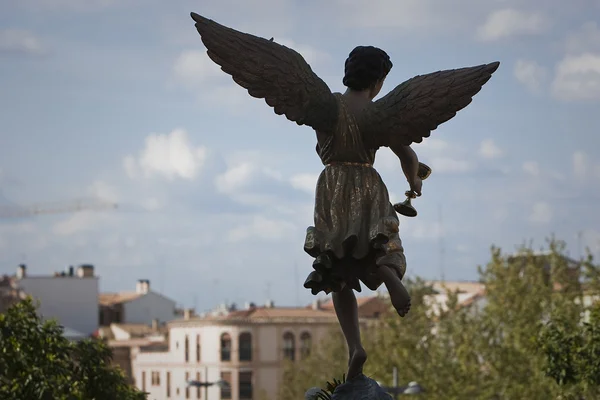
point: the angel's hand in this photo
(416, 185)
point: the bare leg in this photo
(346, 310)
(398, 293)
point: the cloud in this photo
(194, 67)
(586, 39)
(81, 222)
(435, 153)
(261, 227)
(236, 178)
(312, 55)
(305, 182)
(104, 191)
(531, 168)
(541, 213)
(169, 156)
(530, 74)
(577, 78)
(509, 22)
(450, 165)
(580, 164)
(70, 5)
(489, 149)
(19, 41)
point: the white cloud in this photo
(194, 67)
(71, 5)
(532, 168)
(103, 191)
(435, 153)
(169, 155)
(305, 182)
(449, 165)
(236, 178)
(80, 222)
(262, 228)
(20, 41)
(586, 39)
(530, 74)
(541, 213)
(489, 149)
(509, 22)
(312, 55)
(577, 78)
(580, 164)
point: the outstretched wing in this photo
(271, 71)
(418, 106)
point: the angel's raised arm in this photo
(273, 72)
(418, 106)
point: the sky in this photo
(117, 102)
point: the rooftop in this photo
(110, 299)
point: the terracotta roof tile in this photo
(109, 299)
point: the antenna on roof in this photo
(441, 243)
(268, 290)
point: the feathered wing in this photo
(418, 106)
(271, 71)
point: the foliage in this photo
(38, 362)
(523, 339)
(328, 358)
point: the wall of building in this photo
(73, 301)
(148, 307)
(267, 357)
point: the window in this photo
(143, 381)
(168, 384)
(187, 348)
(197, 348)
(155, 378)
(117, 316)
(187, 387)
(198, 387)
(226, 389)
(246, 347)
(289, 346)
(245, 379)
(225, 347)
(101, 317)
(305, 344)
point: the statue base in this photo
(359, 388)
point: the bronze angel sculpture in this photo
(355, 234)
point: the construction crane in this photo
(7, 212)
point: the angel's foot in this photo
(358, 357)
(398, 293)
(401, 300)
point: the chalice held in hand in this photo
(406, 208)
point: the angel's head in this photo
(365, 70)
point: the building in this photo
(9, 293)
(245, 348)
(71, 297)
(141, 306)
(125, 340)
(368, 306)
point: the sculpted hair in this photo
(365, 66)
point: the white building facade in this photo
(71, 297)
(245, 349)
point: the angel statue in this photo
(355, 234)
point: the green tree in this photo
(498, 348)
(38, 362)
(327, 360)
